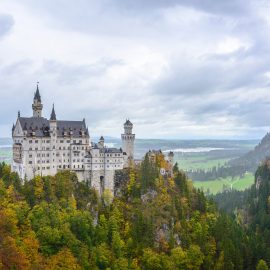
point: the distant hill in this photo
(251, 160)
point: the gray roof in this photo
(37, 95)
(128, 123)
(53, 115)
(111, 150)
(41, 127)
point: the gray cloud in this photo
(6, 24)
(176, 68)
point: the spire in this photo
(128, 123)
(53, 115)
(19, 114)
(37, 94)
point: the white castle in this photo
(44, 146)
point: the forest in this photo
(154, 222)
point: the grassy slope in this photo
(200, 162)
(216, 186)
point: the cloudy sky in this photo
(177, 68)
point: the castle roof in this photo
(111, 150)
(128, 123)
(41, 127)
(37, 95)
(53, 115)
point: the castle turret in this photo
(170, 157)
(170, 160)
(101, 142)
(53, 134)
(128, 142)
(37, 105)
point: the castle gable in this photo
(18, 129)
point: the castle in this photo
(44, 146)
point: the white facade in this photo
(44, 147)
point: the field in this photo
(199, 161)
(221, 184)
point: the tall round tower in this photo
(128, 142)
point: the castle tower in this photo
(170, 157)
(101, 142)
(128, 142)
(53, 134)
(170, 160)
(37, 105)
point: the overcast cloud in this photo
(178, 69)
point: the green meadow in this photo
(200, 161)
(220, 184)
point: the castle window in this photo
(30, 155)
(47, 141)
(68, 141)
(30, 141)
(74, 141)
(30, 161)
(36, 148)
(61, 141)
(36, 141)
(30, 148)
